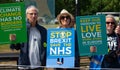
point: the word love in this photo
(91, 31)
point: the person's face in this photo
(32, 16)
(65, 20)
(117, 30)
(110, 24)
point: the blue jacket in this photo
(24, 47)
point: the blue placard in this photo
(60, 48)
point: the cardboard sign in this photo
(92, 37)
(60, 48)
(12, 22)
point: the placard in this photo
(60, 48)
(12, 22)
(92, 36)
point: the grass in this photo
(6, 49)
(50, 25)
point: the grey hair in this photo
(111, 16)
(31, 6)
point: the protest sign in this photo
(60, 48)
(12, 22)
(92, 37)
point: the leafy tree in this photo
(9, 1)
(64, 4)
(6, 1)
(84, 7)
(112, 6)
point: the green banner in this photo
(12, 22)
(92, 37)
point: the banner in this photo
(60, 48)
(92, 36)
(12, 22)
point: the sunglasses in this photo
(110, 22)
(67, 17)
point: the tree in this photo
(64, 4)
(6, 1)
(84, 7)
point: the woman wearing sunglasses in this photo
(66, 20)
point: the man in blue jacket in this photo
(33, 52)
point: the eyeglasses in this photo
(67, 17)
(110, 22)
(33, 13)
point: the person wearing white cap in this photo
(66, 20)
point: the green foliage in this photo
(64, 4)
(9, 1)
(84, 7)
(6, 1)
(88, 7)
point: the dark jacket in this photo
(24, 47)
(109, 60)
